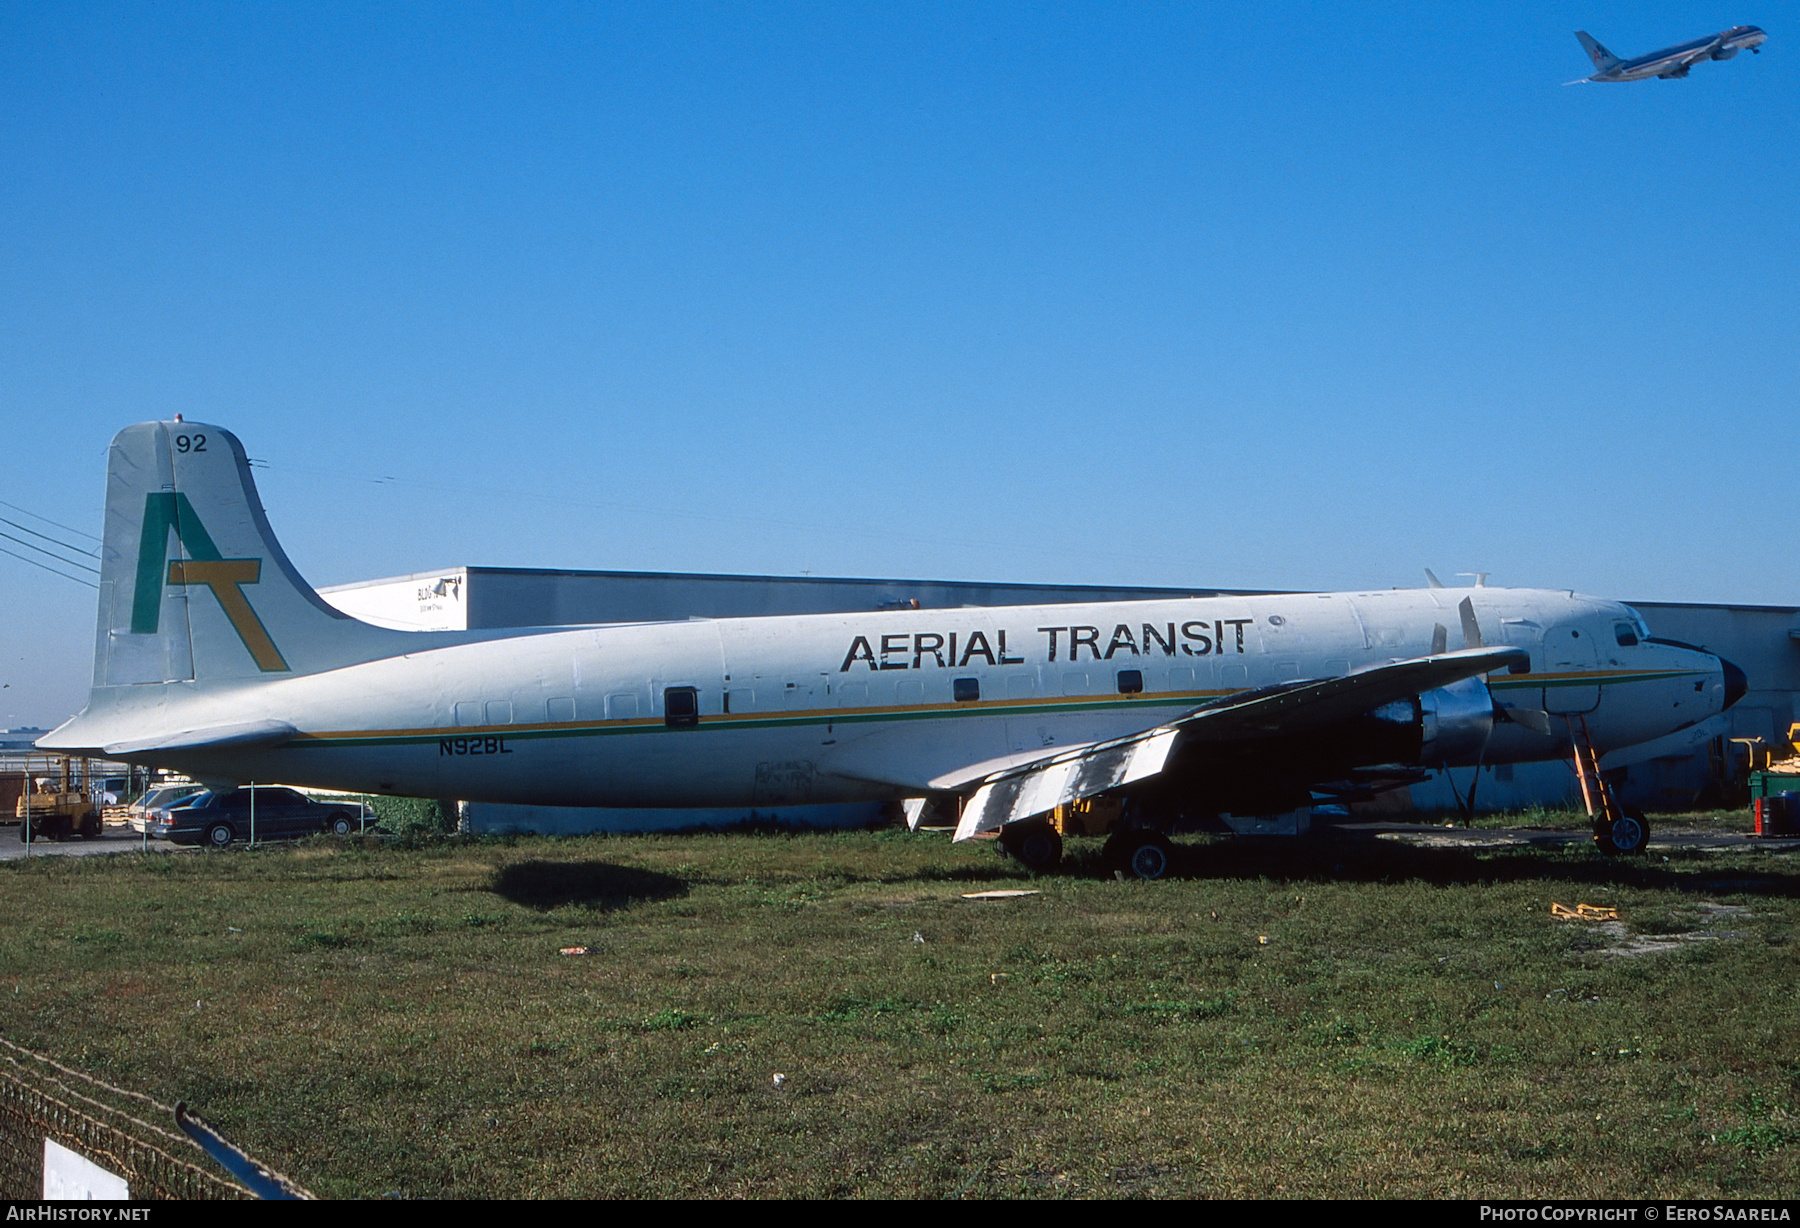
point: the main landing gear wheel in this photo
(1143, 854)
(1627, 836)
(1037, 847)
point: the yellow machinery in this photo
(1775, 788)
(1092, 816)
(1762, 758)
(45, 810)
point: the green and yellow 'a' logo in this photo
(166, 510)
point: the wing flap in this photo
(1068, 778)
(1020, 792)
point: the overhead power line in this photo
(46, 567)
(56, 523)
(83, 555)
(83, 550)
(50, 554)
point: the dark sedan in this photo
(218, 819)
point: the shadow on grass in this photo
(595, 885)
(1340, 858)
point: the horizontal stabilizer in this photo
(253, 733)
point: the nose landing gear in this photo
(1617, 831)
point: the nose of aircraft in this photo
(1736, 684)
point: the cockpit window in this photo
(1626, 634)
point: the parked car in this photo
(217, 819)
(109, 790)
(144, 810)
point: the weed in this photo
(671, 1020)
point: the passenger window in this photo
(1131, 681)
(966, 690)
(681, 707)
(1626, 634)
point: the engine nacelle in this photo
(1455, 722)
(1724, 53)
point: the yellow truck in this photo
(49, 808)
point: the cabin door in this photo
(1569, 653)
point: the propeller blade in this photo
(915, 810)
(1471, 629)
(1530, 718)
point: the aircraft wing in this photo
(1703, 52)
(1041, 785)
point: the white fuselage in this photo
(1676, 61)
(833, 708)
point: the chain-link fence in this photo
(112, 1127)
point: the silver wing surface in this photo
(1025, 790)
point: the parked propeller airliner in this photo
(1671, 62)
(213, 656)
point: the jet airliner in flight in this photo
(1671, 62)
(212, 655)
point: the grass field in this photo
(1314, 1017)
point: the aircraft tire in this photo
(1628, 836)
(1143, 854)
(1038, 847)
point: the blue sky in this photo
(1274, 295)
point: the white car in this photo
(143, 810)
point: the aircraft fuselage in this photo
(837, 708)
(1676, 61)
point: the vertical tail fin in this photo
(193, 585)
(1602, 58)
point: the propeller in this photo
(1471, 628)
(1530, 718)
